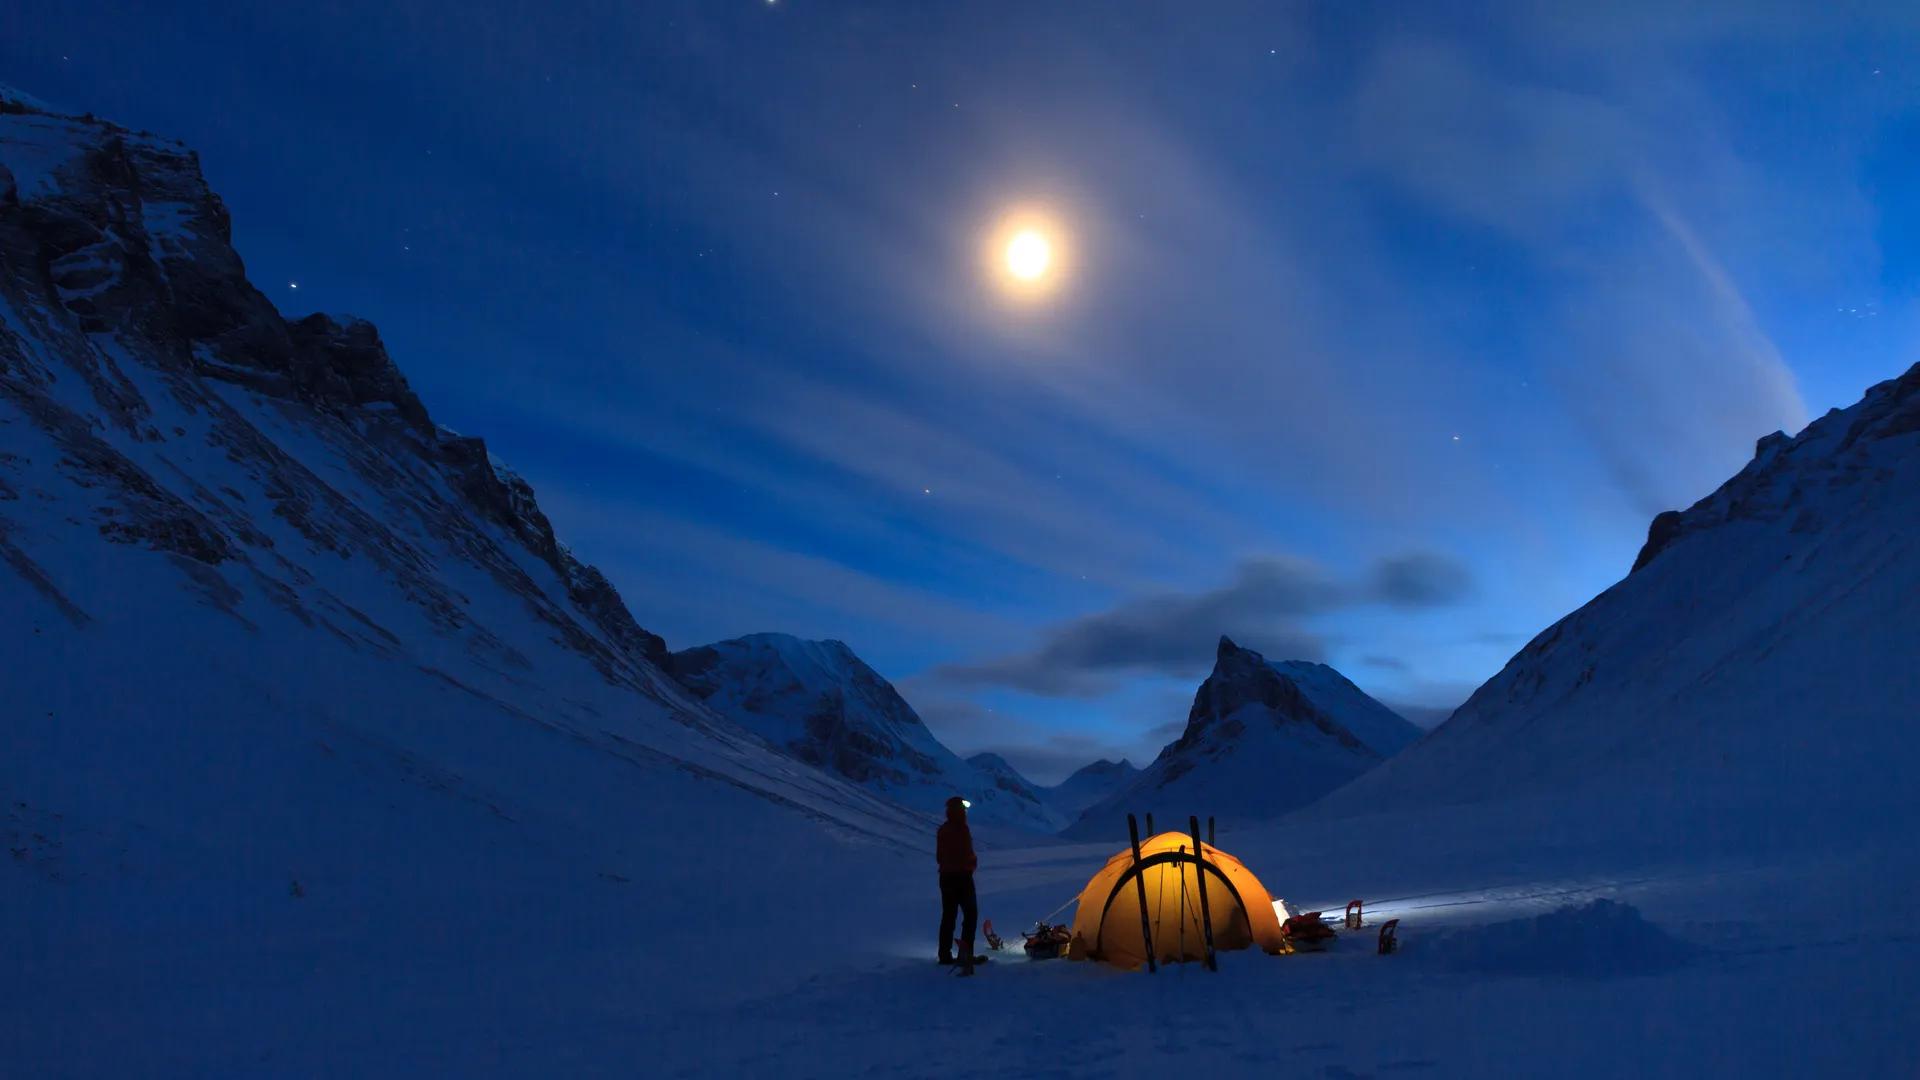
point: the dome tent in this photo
(1107, 927)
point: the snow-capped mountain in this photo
(1090, 784)
(822, 704)
(1261, 739)
(262, 612)
(1009, 779)
(1762, 649)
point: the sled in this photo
(1308, 932)
(1047, 941)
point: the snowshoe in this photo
(1390, 937)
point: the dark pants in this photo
(956, 894)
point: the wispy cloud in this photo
(1265, 607)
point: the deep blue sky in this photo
(1386, 330)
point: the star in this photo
(293, 285)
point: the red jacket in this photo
(954, 846)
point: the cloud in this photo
(1421, 580)
(1644, 335)
(1390, 663)
(1174, 634)
(1043, 756)
(1167, 732)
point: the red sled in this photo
(1308, 931)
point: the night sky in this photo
(1372, 334)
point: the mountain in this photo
(1261, 739)
(1089, 785)
(265, 616)
(1756, 664)
(823, 705)
(1009, 780)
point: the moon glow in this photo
(1029, 255)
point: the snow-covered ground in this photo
(751, 944)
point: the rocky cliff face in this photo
(1261, 739)
(128, 305)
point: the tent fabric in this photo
(1107, 924)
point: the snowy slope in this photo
(1089, 785)
(1382, 730)
(1008, 779)
(1261, 739)
(1756, 664)
(311, 726)
(819, 702)
(256, 599)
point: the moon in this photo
(1029, 255)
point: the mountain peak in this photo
(1788, 478)
(1261, 738)
(820, 703)
(1090, 784)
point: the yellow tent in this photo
(1107, 925)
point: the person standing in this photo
(953, 848)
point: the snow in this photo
(822, 703)
(1089, 785)
(1767, 649)
(1262, 738)
(35, 148)
(21, 97)
(768, 950)
(1384, 731)
(361, 794)
(1599, 939)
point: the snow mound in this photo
(1599, 939)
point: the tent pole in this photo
(1140, 886)
(1200, 872)
(1209, 828)
(1150, 831)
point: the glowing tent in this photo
(1107, 925)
